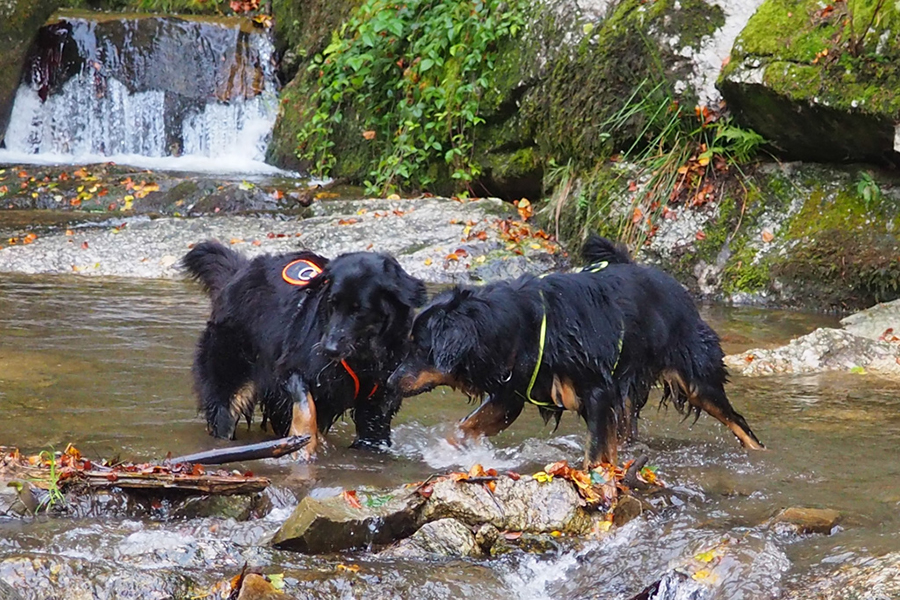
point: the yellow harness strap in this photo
(542, 339)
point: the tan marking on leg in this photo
(429, 378)
(562, 391)
(303, 422)
(608, 453)
(743, 436)
(488, 419)
(243, 403)
(710, 408)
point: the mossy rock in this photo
(552, 88)
(820, 82)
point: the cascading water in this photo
(140, 89)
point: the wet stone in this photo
(807, 520)
(627, 509)
(332, 524)
(238, 507)
(522, 505)
(822, 350)
(873, 322)
(444, 537)
(256, 587)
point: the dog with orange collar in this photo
(306, 338)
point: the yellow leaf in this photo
(602, 526)
(542, 477)
(393, 197)
(709, 555)
(703, 161)
(535, 246)
(427, 262)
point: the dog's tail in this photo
(211, 264)
(599, 249)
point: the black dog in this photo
(594, 342)
(305, 337)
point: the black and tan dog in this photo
(594, 342)
(305, 337)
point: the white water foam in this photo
(431, 445)
(94, 119)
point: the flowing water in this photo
(105, 364)
(190, 94)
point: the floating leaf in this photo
(351, 498)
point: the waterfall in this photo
(161, 92)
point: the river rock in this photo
(516, 505)
(627, 509)
(824, 349)
(333, 524)
(429, 236)
(880, 322)
(443, 537)
(819, 81)
(573, 66)
(257, 587)
(800, 519)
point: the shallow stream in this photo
(105, 364)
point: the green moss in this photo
(809, 52)
(571, 110)
(742, 274)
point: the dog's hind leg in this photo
(494, 415)
(221, 371)
(601, 414)
(710, 397)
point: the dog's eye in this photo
(355, 306)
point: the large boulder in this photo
(20, 21)
(805, 235)
(819, 80)
(552, 87)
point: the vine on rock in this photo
(413, 73)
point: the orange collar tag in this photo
(300, 272)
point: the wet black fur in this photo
(284, 339)
(486, 338)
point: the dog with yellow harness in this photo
(594, 342)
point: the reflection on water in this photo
(105, 364)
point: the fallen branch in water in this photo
(269, 449)
(69, 472)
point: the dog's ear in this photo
(452, 342)
(454, 332)
(409, 290)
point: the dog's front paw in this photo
(376, 445)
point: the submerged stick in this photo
(270, 449)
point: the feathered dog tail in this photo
(212, 265)
(599, 249)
